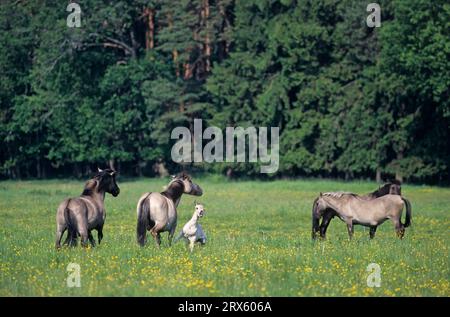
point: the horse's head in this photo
(190, 187)
(199, 210)
(395, 188)
(391, 187)
(107, 181)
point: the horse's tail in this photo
(408, 212)
(143, 220)
(70, 225)
(315, 219)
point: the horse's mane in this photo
(338, 194)
(174, 189)
(89, 187)
(378, 192)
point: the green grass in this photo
(259, 245)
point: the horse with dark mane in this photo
(392, 187)
(80, 215)
(157, 212)
(351, 209)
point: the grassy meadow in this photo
(259, 244)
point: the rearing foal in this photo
(82, 214)
(157, 212)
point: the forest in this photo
(350, 101)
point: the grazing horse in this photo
(157, 212)
(80, 215)
(392, 187)
(351, 209)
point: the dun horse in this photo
(352, 209)
(80, 215)
(392, 187)
(157, 212)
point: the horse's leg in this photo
(91, 238)
(99, 233)
(73, 239)
(157, 237)
(316, 215)
(399, 228)
(350, 229)
(156, 234)
(59, 233)
(84, 237)
(325, 222)
(191, 244)
(315, 223)
(171, 233)
(373, 229)
(67, 241)
(82, 229)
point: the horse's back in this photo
(140, 202)
(162, 210)
(376, 211)
(60, 211)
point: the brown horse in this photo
(157, 212)
(392, 187)
(352, 210)
(80, 215)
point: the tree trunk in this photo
(175, 61)
(227, 24)
(18, 173)
(188, 71)
(150, 31)
(77, 170)
(229, 173)
(138, 169)
(38, 168)
(88, 170)
(398, 173)
(111, 164)
(378, 175)
(174, 51)
(134, 45)
(207, 43)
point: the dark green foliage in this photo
(350, 101)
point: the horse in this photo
(81, 215)
(352, 209)
(192, 231)
(393, 187)
(157, 212)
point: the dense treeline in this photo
(351, 101)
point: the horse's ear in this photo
(320, 194)
(99, 169)
(195, 203)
